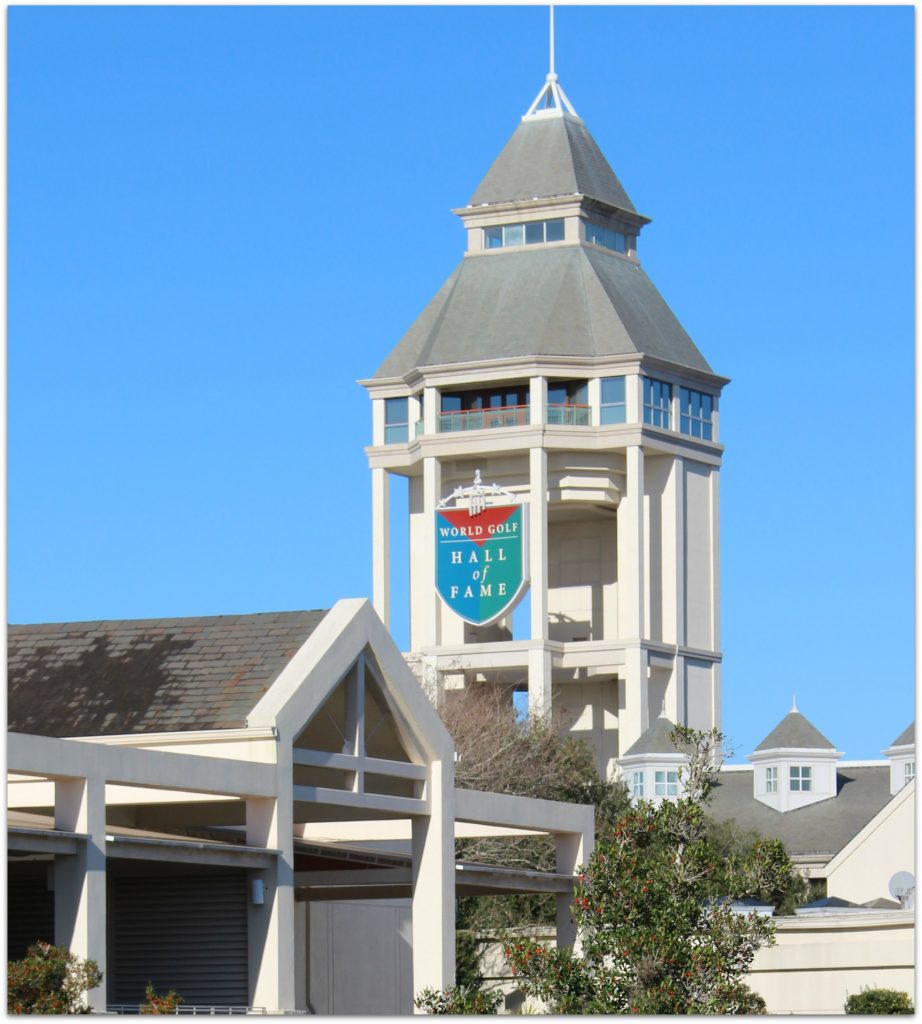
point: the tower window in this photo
(771, 780)
(666, 783)
(396, 420)
(801, 779)
(637, 785)
(568, 403)
(606, 237)
(657, 397)
(695, 410)
(529, 233)
(613, 403)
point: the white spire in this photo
(551, 101)
(794, 705)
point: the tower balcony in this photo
(556, 414)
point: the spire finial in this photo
(552, 100)
(794, 705)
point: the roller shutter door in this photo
(182, 933)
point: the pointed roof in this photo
(907, 737)
(551, 156)
(656, 740)
(560, 301)
(795, 731)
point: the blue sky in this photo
(221, 218)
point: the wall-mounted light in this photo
(258, 892)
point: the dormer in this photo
(795, 765)
(902, 757)
(651, 767)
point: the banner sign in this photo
(481, 560)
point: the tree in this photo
(50, 979)
(500, 753)
(879, 1000)
(655, 936)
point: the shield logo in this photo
(481, 560)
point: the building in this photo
(257, 810)
(549, 364)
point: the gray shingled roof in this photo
(907, 737)
(147, 675)
(561, 301)
(656, 740)
(795, 731)
(820, 828)
(551, 156)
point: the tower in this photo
(550, 364)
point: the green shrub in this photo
(50, 979)
(471, 1002)
(168, 1003)
(879, 1000)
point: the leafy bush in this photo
(879, 1000)
(50, 979)
(470, 1002)
(168, 1003)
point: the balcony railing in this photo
(568, 415)
(483, 419)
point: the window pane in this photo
(514, 234)
(612, 390)
(493, 238)
(618, 241)
(613, 414)
(451, 403)
(396, 434)
(395, 410)
(556, 394)
(554, 230)
(534, 232)
(578, 392)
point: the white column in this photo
(631, 568)
(634, 717)
(377, 420)
(539, 661)
(431, 410)
(430, 614)
(633, 398)
(540, 675)
(433, 907)
(678, 481)
(715, 558)
(80, 879)
(594, 395)
(271, 924)
(381, 544)
(537, 399)
(573, 849)
(414, 413)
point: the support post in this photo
(433, 907)
(431, 614)
(381, 544)
(80, 878)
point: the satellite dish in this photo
(902, 884)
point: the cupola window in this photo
(771, 780)
(909, 772)
(396, 420)
(801, 778)
(617, 241)
(695, 409)
(530, 233)
(657, 397)
(613, 401)
(666, 783)
(637, 785)
(568, 403)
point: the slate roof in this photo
(561, 301)
(147, 675)
(822, 828)
(795, 731)
(656, 739)
(907, 737)
(551, 156)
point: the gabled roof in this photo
(907, 737)
(551, 156)
(822, 828)
(560, 301)
(147, 675)
(795, 731)
(656, 740)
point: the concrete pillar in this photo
(378, 407)
(80, 879)
(537, 399)
(433, 904)
(633, 399)
(271, 923)
(631, 561)
(634, 716)
(540, 674)
(678, 580)
(594, 395)
(715, 558)
(573, 850)
(431, 408)
(538, 541)
(380, 544)
(430, 614)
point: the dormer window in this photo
(771, 780)
(532, 232)
(617, 241)
(801, 778)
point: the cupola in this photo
(651, 766)
(902, 757)
(795, 765)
